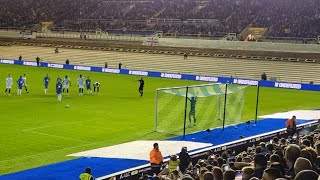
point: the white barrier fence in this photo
(91, 36)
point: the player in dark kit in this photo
(141, 87)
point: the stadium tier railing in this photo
(211, 79)
(90, 36)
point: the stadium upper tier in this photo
(289, 18)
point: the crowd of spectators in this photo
(290, 18)
(26, 13)
(296, 157)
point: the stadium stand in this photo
(183, 17)
(217, 66)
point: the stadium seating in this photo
(292, 18)
(283, 71)
(278, 158)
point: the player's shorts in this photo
(66, 86)
(9, 86)
(140, 88)
(81, 86)
(46, 86)
(20, 87)
(192, 112)
(88, 87)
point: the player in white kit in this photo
(24, 78)
(9, 83)
(80, 82)
(66, 85)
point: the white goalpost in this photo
(187, 109)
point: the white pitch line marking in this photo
(51, 135)
(17, 100)
(47, 152)
(55, 125)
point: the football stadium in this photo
(159, 89)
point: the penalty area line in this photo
(55, 136)
(18, 100)
(47, 152)
(55, 125)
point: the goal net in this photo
(195, 108)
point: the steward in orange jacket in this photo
(156, 159)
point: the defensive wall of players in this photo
(213, 79)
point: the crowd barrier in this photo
(213, 79)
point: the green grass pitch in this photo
(37, 130)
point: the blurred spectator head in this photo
(313, 153)
(217, 173)
(156, 146)
(260, 161)
(306, 143)
(270, 148)
(275, 158)
(275, 140)
(258, 149)
(88, 170)
(317, 148)
(279, 153)
(186, 177)
(247, 160)
(307, 175)
(209, 167)
(173, 157)
(208, 176)
(254, 178)
(263, 145)
(203, 170)
(279, 166)
(229, 175)
(247, 173)
(271, 174)
(220, 161)
(283, 141)
(238, 159)
(292, 154)
(302, 164)
(310, 138)
(306, 154)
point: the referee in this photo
(141, 87)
